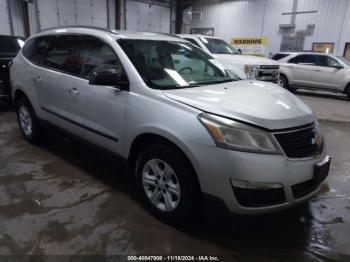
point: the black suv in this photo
(9, 47)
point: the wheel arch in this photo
(18, 95)
(143, 140)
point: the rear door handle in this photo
(74, 91)
(37, 80)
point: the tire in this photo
(285, 83)
(348, 91)
(177, 198)
(28, 122)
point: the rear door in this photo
(327, 75)
(60, 68)
(301, 68)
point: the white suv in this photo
(245, 66)
(315, 71)
(193, 136)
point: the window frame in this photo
(300, 55)
(82, 36)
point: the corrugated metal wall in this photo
(263, 17)
(5, 23)
(11, 17)
(53, 13)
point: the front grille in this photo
(270, 67)
(259, 198)
(305, 188)
(301, 143)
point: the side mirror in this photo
(338, 66)
(110, 77)
(239, 51)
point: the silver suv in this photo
(194, 136)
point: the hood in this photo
(245, 59)
(259, 103)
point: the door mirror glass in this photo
(109, 77)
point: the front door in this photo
(327, 75)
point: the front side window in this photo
(97, 56)
(172, 64)
(303, 59)
(218, 46)
(63, 54)
(35, 49)
(192, 41)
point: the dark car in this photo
(9, 47)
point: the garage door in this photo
(147, 17)
(5, 28)
(54, 13)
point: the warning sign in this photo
(250, 45)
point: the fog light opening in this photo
(255, 185)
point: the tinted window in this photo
(279, 56)
(63, 54)
(303, 59)
(97, 56)
(326, 61)
(35, 49)
(10, 44)
(192, 41)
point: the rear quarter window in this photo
(34, 50)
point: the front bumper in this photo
(217, 167)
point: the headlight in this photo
(237, 136)
(251, 71)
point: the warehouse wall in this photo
(262, 18)
(11, 17)
(148, 16)
(5, 23)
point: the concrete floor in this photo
(62, 198)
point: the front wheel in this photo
(167, 184)
(28, 121)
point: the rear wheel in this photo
(167, 185)
(28, 121)
(285, 83)
(348, 91)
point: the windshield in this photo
(344, 60)
(10, 44)
(218, 46)
(173, 64)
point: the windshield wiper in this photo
(215, 82)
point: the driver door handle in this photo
(74, 91)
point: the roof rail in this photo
(79, 26)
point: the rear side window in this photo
(97, 56)
(63, 54)
(303, 59)
(279, 56)
(35, 49)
